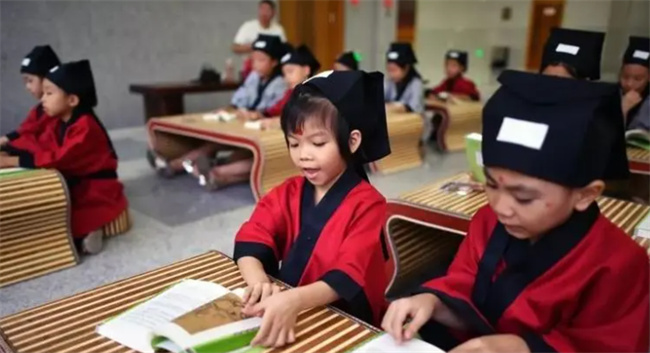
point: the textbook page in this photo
(386, 344)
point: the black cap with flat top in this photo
(582, 50)
(349, 59)
(458, 55)
(638, 51)
(271, 45)
(401, 54)
(75, 78)
(302, 56)
(559, 130)
(39, 61)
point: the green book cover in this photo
(638, 138)
(474, 156)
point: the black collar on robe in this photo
(261, 86)
(524, 262)
(312, 221)
(401, 85)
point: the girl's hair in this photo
(310, 105)
(569, 68)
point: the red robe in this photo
(583, 287)
(458, 85)
(29, 130)
(276, 110)
(82, 151)
(339, 241)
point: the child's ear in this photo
(355, 140)
(73, 100)
(588, 194)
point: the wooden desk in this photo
(639, 160)
(164, 99)
(68, 325)
(172, 137)
(419, 223)
(459, 118)
(35, 234)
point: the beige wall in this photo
(369, 29)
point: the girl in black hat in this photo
(33, 69)
(324, 227)
(403, 89)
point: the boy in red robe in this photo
(77, 145)
(455, 83)
(36, 64)
(324, 227)
(541, 269)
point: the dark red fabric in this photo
(458, 85)
(276, 110)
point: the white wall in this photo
(369, 29)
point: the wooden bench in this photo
(426, 225)
(35, 234)
(172, 137)
(68, 325)
(459, 118)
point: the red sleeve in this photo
(467, 87)
(441, 87)
(614, 319)
(276, 109)
(31, 124)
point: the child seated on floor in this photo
(403, 90)
(634, 80)
(261, 90)
(573, 53)
(455, 83)
(36, 64)
(325, 227)
(348, 61)
(77, 145)
(541, 269)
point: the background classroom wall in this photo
(369, 30)
(472, 24)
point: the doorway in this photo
(545, 14)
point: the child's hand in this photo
(279, 320)
(493, 344)
(630, 99)
(418, 308)
(8, 161)
(3, 140)
(257, 293)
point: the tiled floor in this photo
(176, 219)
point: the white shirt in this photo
(249, 31)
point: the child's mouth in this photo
(310, 173)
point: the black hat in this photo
(271, 45)
(638, 51)
(302, 56)
(401, 54)
(581, 50)
(359, 98)
(458, 55)
(75, 78)
(349, 59)
(563, 131)
(39, 61)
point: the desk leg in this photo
(156, 105)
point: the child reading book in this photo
(77, 145)
(403, 90)
(455, 82)
(36, 64)
(541, 269)
(573, 53)
(325, 227)
(634, 79)
(348, 61)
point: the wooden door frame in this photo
(531, 30)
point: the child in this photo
(634, 80)
(348, 61)
(297, 66)
(403, 88)
(262, 89)
(36, 64)
(455, 83)
(573, 53)
(77, 145)
(541, 269)
(325, 227)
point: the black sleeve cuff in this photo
(26, 160)
(342, 284)
(474, 97)
(408, 108)
(260, 251)
(536, 343)
(13, 135)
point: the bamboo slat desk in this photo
(68, 325)
(639, 160)
(35, 234)
(172, 137)
(459, 118)
(419, 221)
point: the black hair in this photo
(569, 68)
(268, 2)
(312, 105)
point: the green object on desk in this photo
(14, 171)
(474, 156)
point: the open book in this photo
(638, 138)
(383, 343)
(474, 156)
(191, 316)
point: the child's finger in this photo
(267, 290)
(282, 338)
(292, 336)
(262, 333)
(419, 319)
(397, 324)
(247, 294)
(255, 295)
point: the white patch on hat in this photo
(54, 68)
(453, 54)
(523, 133)
(393, 55)
(640, 54)
(26, 61)
(323, 74)
(567, 48)
(285, 58)
(260, 44)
